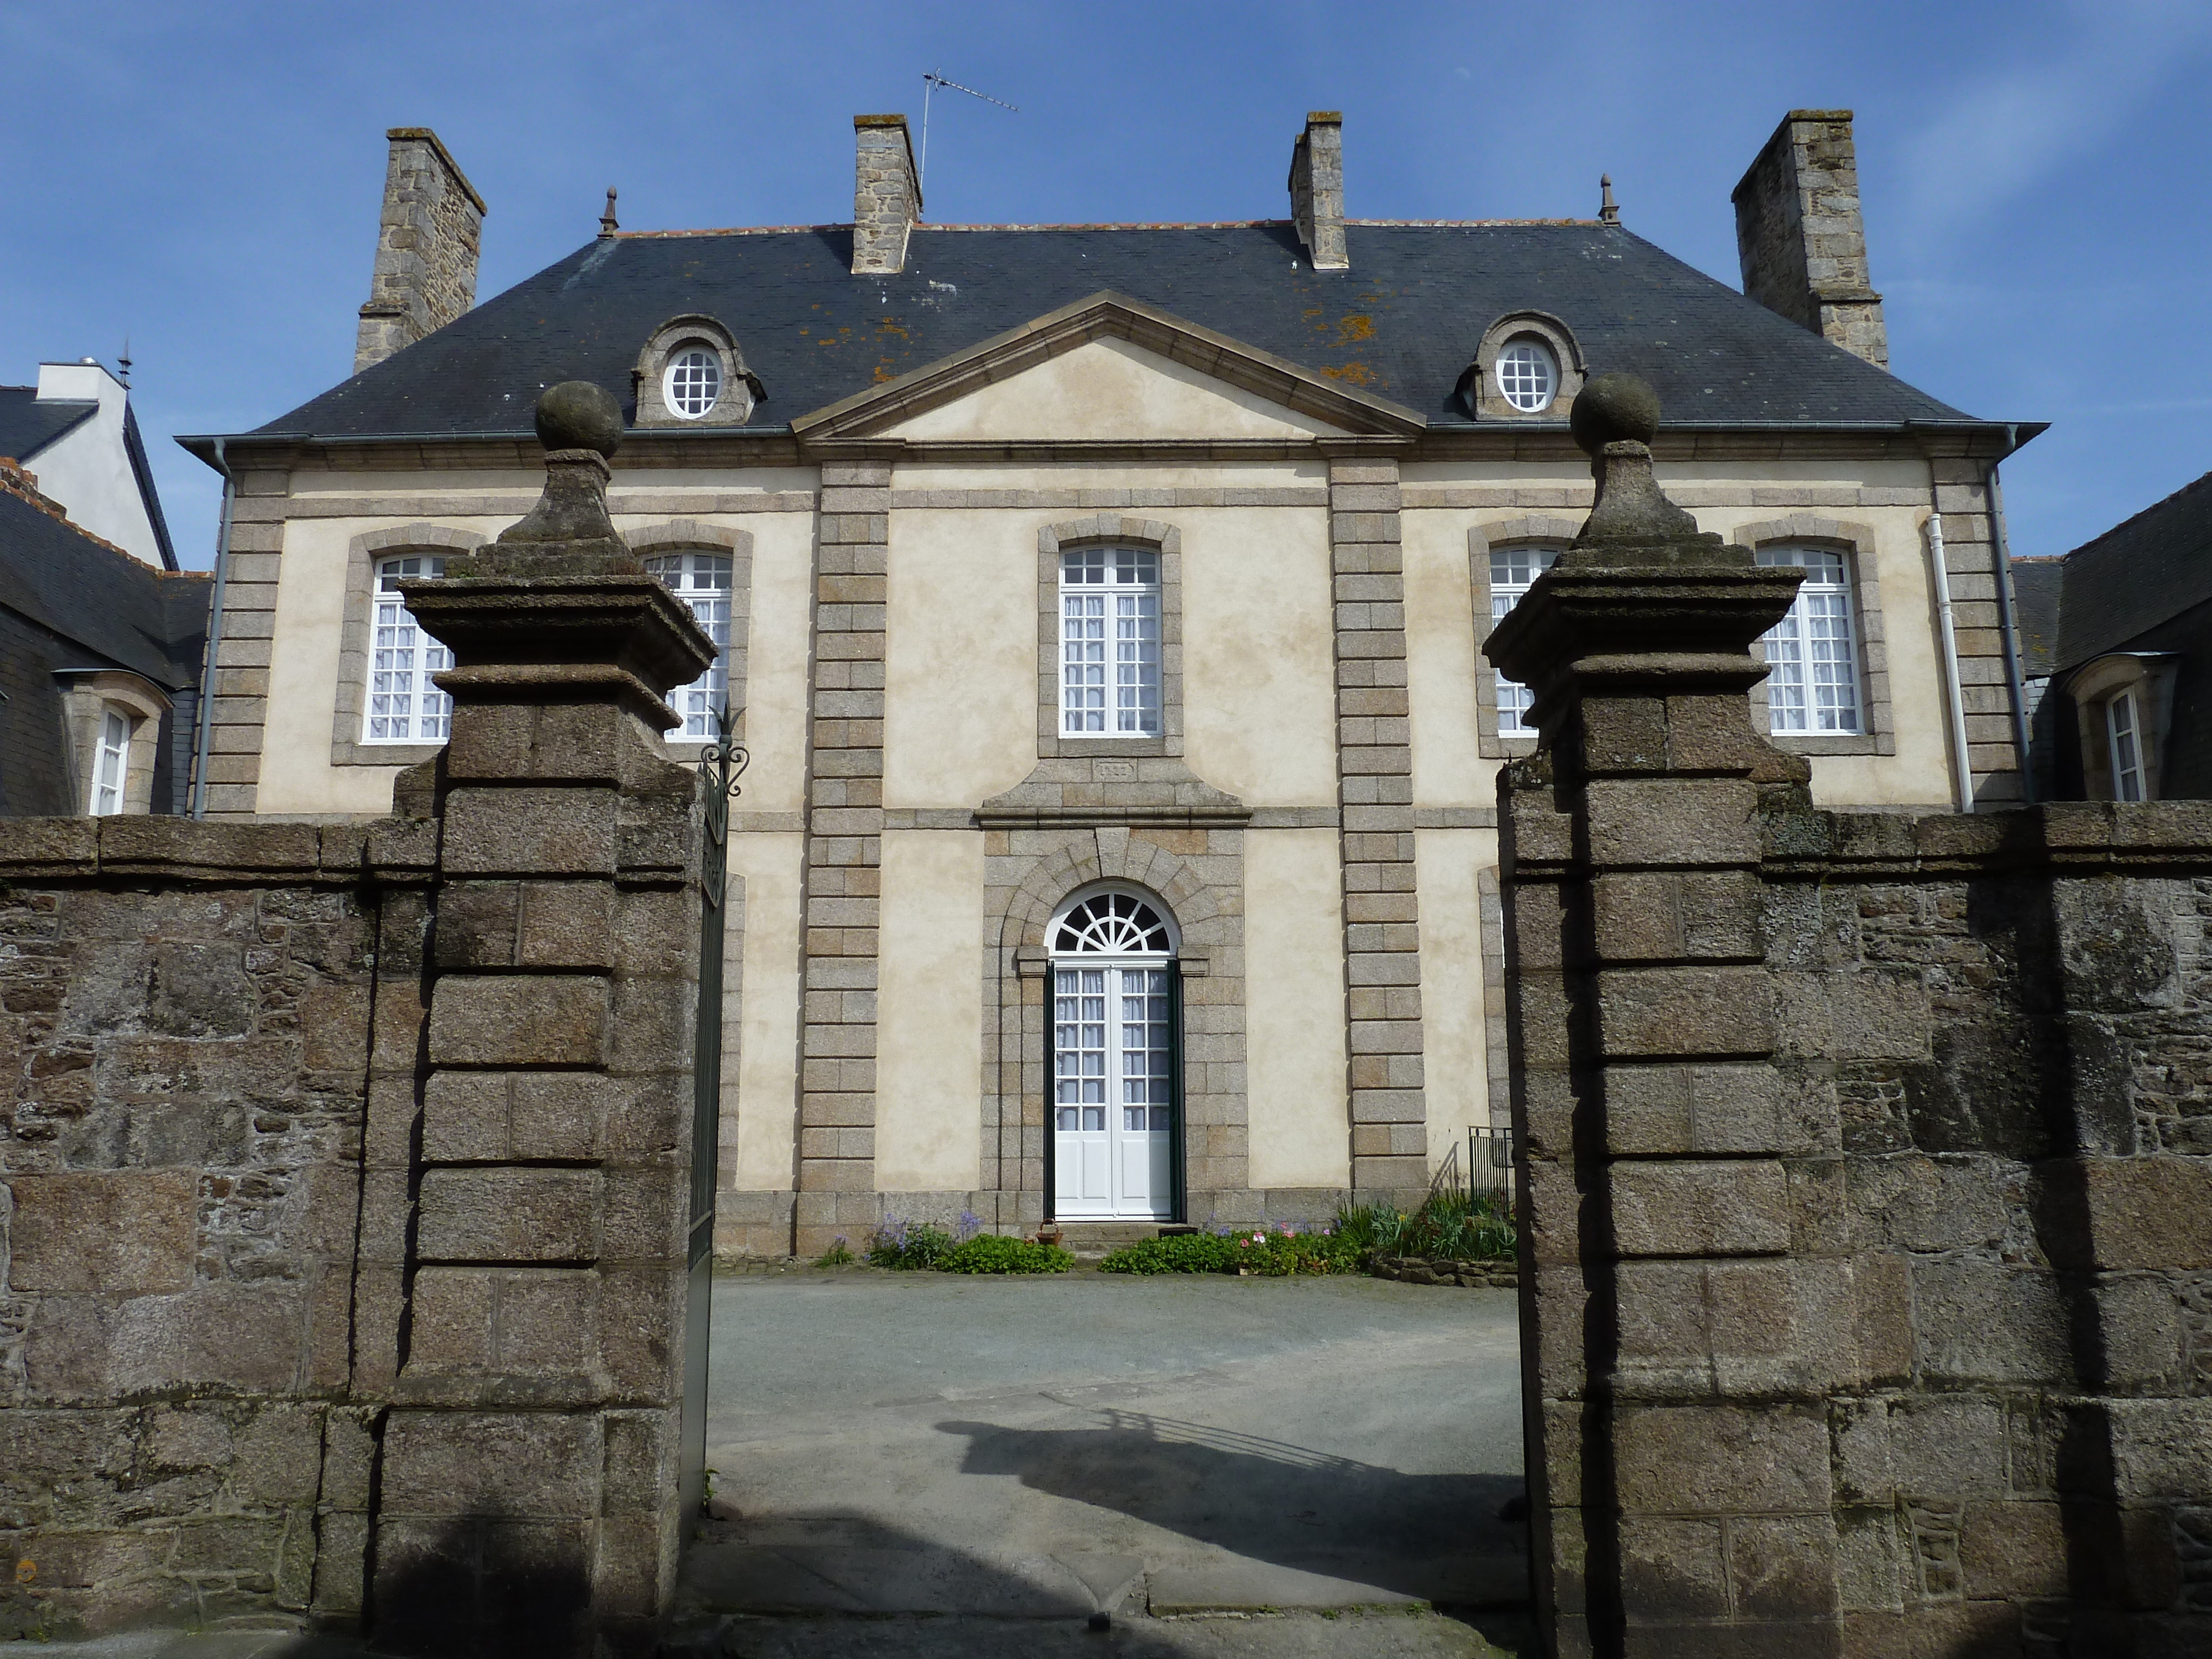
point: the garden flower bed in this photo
(965, 1249)
(1453, 1238)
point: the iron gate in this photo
(720, 766)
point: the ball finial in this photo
(578, 415)
(1612, 408)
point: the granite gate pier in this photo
(1865, 1160)
(347, 1230)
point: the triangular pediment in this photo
(1109, 369)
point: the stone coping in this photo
(2080, 836)
(192, 850)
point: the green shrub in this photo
(1177, 1253)
(989, 1252)
(901, 1244)
(839, 1255)
(1447, 1225)
(1272, 1253)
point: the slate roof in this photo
(1403, 323)
(2140, 573)
(70, 603)
(27, 426)
(2037, 587)
(107, 609)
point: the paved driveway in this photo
(926, 1442)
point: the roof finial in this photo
(607, 225)
(1608, 210)
(123, 363)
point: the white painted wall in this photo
(929, 1013)
(1300, 1117)
(87, 469)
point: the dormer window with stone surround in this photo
(1526, 368)
(691, 374)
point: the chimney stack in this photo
(426, 247)
(886, 194)
(1800, 238)
(1317, 189)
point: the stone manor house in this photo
(1102, 607)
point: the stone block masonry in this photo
(428, 239)
(191, 1018)
(1374, 794)
(1864, 1181)
(844, 862)
(346, 1258)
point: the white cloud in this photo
(2008, 128)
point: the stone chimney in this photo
(886, 194)
(1799, 233)
(1317, 189)
(426, 247)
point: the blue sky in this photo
(206, 178)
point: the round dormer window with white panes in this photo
(692, 382)
(1527, 378)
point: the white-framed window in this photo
(692, 382)
(1110, 642)
(403, 706)
(1512, 570)
(702, 581)
(1527, 378)
(111, 764)
(1812, 653)
(2123, 733)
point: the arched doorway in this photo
(1117, 1059)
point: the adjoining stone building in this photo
(1102, 605)
(2113, 641)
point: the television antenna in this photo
(930, 82)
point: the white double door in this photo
(1113, 1090)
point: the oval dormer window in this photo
(1527, 378)
(692, 382)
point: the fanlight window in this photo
(1112, 925)
(694, 382)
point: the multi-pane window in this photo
(1527, 377)
(403, 706)
(2124, 732)
(1812, 677)
(693, 382)
(702, 581)
(111, 764)
(1078, 1014)
(1511, 571)
(1145, 1048)
(1109, 634)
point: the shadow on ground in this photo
(1265, 1499)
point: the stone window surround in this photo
(357, 630)
(1112, 529)
(2096, 684)
(740, 389)
(1855, 541)
(1207, 916)
(675, 536)
(86, 697)
(1478, 385)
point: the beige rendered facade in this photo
(960, 671)
(1312, 809)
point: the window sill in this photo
(1805, 744)
(1071, 747)
(383, 753)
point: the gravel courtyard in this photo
(1050, 1448)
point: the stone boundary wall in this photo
(189, 1018)
(1931, 1371)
